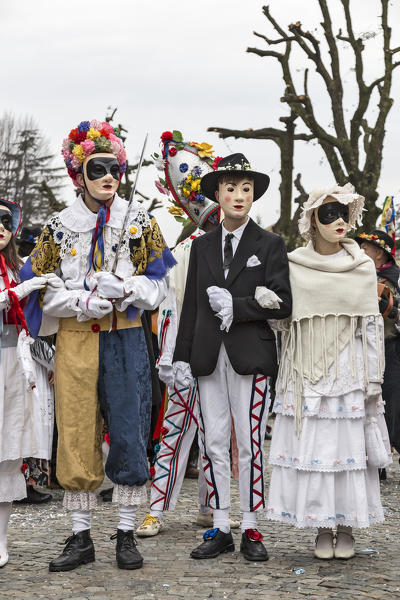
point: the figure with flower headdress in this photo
(181, 167)
(102, 365)
(330, 435)
(225, 342)
(380, 247)
(18, 396)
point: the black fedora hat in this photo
(234, 163)
(378, 238)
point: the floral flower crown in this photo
(91, 137)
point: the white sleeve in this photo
(144, 293)
(60, 302)
(375, 349)
(167, 328)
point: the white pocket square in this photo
(253, 261)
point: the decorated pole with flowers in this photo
(126, 219)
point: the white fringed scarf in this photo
(330, 297)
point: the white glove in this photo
(221, 302)
(182, 374)
(218, 297)
(53, 280)
(27, 287)
(93, 306)
(266, 298)
(108, 285)
(166, 374)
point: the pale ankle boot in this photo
(344, 547)
(5, 511)
(324, 544)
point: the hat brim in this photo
(209, 183)
(360, 240)
(16, 213)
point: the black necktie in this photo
(228, 251)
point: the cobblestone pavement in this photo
(36, 535)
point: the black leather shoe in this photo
(128, 556)
(215, 543)
(107, 494)
(252, 546)
(34, 497)
(78, 551)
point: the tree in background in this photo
(27, 174)
(353, 147)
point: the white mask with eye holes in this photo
(332, 220)
(5, 226)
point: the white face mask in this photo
(235, 198)
(5, 234)
(331, 232)
(101, 188)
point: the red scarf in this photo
(15, 314)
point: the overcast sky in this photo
(177, 64)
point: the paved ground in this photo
(36, 534)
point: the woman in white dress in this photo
(329, 382)
(18, 431)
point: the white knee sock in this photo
(221, 519)
(157, 513)
(5, 511)
(249, 520)
(127, 516)
(80, 520)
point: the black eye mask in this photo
(332, 211)
(6, 219)
(97, 168)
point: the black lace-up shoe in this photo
(252, 547)
(78, 551)
(215, 543)
(128, 556)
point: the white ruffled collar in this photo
(78, 218)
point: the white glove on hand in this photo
(221, 302)
(93, 306)
(266, 298)
(219, 298)
(108, 285)
(166, 374)
(27, 287)
(182, 374)
(53, 280)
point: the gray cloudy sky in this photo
(176, 64)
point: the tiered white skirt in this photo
(26, 423)
(322, 479)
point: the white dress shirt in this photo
(237, 234)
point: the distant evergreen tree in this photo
(27, 174)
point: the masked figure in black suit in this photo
(225, 341)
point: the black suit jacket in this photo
(250, 343)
